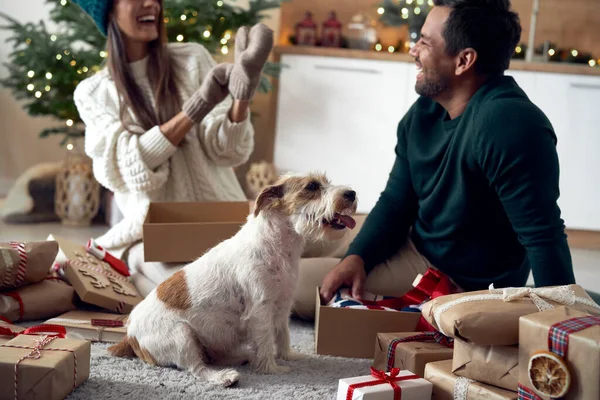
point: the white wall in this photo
(20, 146)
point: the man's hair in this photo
(489, 27)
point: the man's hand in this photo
(350, 271)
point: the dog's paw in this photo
(227, 377)
(292, 356)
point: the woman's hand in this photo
(252, 49)
(212, 91)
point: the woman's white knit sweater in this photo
(144, 166)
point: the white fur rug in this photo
(314, 377)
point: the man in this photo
(474, 187)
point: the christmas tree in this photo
(45, 66)
(406, 12)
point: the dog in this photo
(232, 305)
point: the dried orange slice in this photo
(548, 374)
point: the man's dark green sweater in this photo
(479, 192)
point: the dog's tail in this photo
(122, 349)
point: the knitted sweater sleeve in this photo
(123, 161)
(227, 144)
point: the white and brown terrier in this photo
(233, 304)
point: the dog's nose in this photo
(350, 195)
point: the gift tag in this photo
(107, 323)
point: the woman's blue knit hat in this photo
(98, 10)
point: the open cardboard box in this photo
(182, 232)
(352, 333)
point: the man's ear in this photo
(267, 198)
(465, 60)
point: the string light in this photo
(391, 49)
(574, 53)
(103, 54)
(417, 10)
(180, 38)
(48, 75)
(405, 10)
(380, 10)
(67, 52)
(38, 94)
(69, 122)
(183, 17)
(430, 3)
(592, 63)
(223, 41)
(409, 2)
(551, 52)
(59, 56)
(47, 88)
(227, 35)
(195, 13)
(70, 146)
(73, 63)
(219, 3)
(31, 74)
(30, 87)
(85, 69)
(166, 19)
(518, 50)
(63, 2)
(224, 49)
(222, 19)
(378, 47)
(53, 38)
(420, 2)
(28, 41)
(206, 33)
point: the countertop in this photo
(519, 65)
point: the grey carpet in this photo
(314, 377)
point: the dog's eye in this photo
(313, 186)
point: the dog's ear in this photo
(267, 198)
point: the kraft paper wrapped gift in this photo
(447, 386)
(94, 280)
(572, 335)
(24, 263)
(8, 331)
(394, 385)
(409, 351)
(39, 301)
(491, 317)
(494, 365)
(93, 326)
(45, 369)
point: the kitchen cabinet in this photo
(339, 115)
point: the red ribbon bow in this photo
(44, 329)
(382, 378)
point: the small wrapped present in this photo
(8, 331)
(94, 280)
(94, 326)
(394, 385)
(447, 386)
(42, 367)
(24, 263)
(559, 355)
(42, 300)
(410, 350)
(494, 365)
(491, 317)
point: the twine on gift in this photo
(36, 354)
(561, 294)
(19, 300)
(382, 378)
(427, 337)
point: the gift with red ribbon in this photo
(396, 385)
(411, 350)
(39, 301)
(25, 263)
(92, 325)
(41, 363)
(567, 338)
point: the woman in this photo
(160, 121)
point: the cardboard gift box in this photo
(491, 317)
(42, 367)
(410, 351)
(347, 332)
(42, 300)
(447, 386)
(560, 337)
(24, 263)
(494, 365)
(8, 331)
(95, 281)
(380, 385)
(182, 232)
(93, 326)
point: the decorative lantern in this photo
(331, 35)
(361, 33)
(77, 198)
(306, 31)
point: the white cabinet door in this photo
(340, 116)
(572, 103)
(527, 81)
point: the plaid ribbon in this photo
(380, 379)
(558, 335)
(430, 337)
(524, 393)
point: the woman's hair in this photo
(161, 70)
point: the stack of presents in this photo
(438, 343)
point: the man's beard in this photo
(431, 86)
